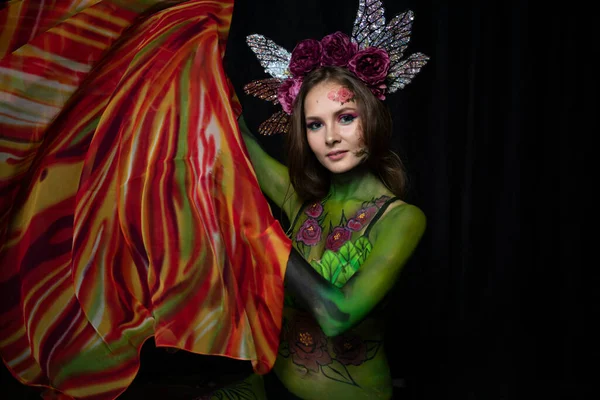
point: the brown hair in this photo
(308, 177)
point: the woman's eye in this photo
(313, 126)
(347, 118)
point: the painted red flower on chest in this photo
(337, 238)
(314, 210)
(309, 233)
(362, 217)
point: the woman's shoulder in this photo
(401, 215)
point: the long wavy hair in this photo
(309, 178)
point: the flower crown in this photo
(373, 54)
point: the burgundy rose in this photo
(307, 342)
(354, 225)
(362, 217)
(314, 210)
(338, 49)
(309, 233)
(370, 65)
(287, 93)
(365, 214)
(305, 57)
(379, 91)
(350, 349)
(337, 238)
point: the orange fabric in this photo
(133, 210)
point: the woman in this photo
(342, 191)
(134, 213)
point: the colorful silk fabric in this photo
(128, 208)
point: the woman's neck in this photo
(353, 184)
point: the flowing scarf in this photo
(128, 205)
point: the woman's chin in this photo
(342, 166)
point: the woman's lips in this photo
(336, 155)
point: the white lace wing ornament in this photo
(370, 30)
(275, 60)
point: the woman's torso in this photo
(335, 239)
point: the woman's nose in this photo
(332, 136)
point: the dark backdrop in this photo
(495, 132)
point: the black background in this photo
(496, 132)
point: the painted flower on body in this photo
(309, 233)
(307, 342)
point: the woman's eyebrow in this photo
(337, 113)
(345, 110)
(312, 118)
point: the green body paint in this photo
(349, 251)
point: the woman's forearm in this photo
(272, 176)
(317, 295)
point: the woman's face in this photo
(333, 127)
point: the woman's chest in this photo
(334, 237)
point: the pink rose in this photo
(337, 238)
(343, 95)
(338, 49)
(354, 225)
(309, 233)
(370, 65)
(362, 217)
(305, 57)
(314, 210)
(287, 93)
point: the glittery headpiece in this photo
(373, 54)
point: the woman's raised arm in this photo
(272, 176)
